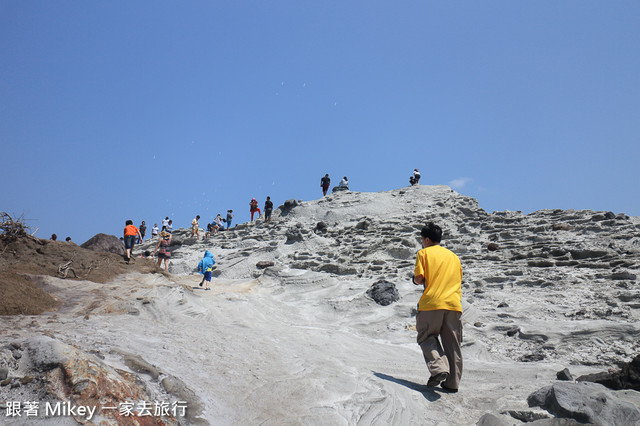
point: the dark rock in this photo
(623, 276)
(587, 254)
(585, 402)
(628, 377)
(513, 331)
(294, 236)
(339, 189)
(503, 305)
(333, 268)
(288, 205)
(265, 264)
(493, 247)
(16, 345)
(540, 263)
(555, 421)
(383, 292)
(564, 375)
(105, 243)
(537, 356)
(16, 354)
(4, 373)
(5, 382)
(526, 416)
(610, 215)
(321, 227)
(363, 224)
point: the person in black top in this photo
(324, 183)
(268, 208)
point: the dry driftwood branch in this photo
(64, 269)
(12, 227)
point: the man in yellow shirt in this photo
(438, 320)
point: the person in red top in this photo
(131, 234)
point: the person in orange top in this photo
(438, 321)
(131, 234)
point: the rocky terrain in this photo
(311, 319)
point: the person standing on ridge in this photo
(195, 227)
(155, 231)
(170, 226)
(253, 207)
(268, 208)
(143, 230)
(438, 321)
(131, 233)
(229, 218)
(165, 223)
(416, 176)
(325, 182)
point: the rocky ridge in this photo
(311, 319)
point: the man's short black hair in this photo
(129, 222)
(432, 231)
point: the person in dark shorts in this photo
(131, 233)
(205, 266)
(162, 248)
(325, 182)
(268, 208)
(143, 230)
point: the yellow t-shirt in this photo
(442, 274)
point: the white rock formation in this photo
(300, 342)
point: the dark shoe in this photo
(437, 379)
(447, 389)
(200, 284)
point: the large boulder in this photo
(287, 207)
(585, 402)
(105, 243)
(627, 378)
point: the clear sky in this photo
(140, 110)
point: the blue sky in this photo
(140, 110)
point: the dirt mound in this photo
(25, 256)
(104, 242)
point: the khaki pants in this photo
(445, 357)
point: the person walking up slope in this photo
(438, 321)
(131, 234)
(253, 207)
(324, 183)
(205, 267)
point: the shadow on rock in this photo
(429, 393)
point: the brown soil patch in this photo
(24, 256)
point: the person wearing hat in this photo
(253, 207)
(162, 248)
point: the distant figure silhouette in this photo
(324, 183)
